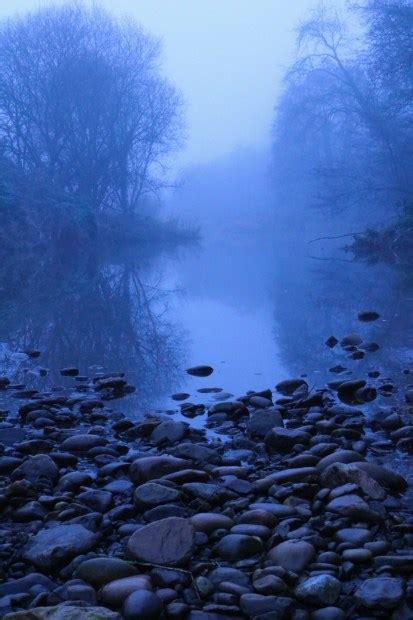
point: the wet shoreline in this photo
(276, 508)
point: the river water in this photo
(253, 298)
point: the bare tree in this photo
(83, 103)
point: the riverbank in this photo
(289, 515)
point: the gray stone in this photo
(168, 541)
(386, 592)
(64, 612)
(319, 590)
(142, 605)
(58, 545)
(153, 494)
(151, 467)
(36, 469)
(168, 432)
(293, 555)
(262, 421)
(238, 547)
(116, 592)
(100, 571)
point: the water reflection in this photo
(92, 312)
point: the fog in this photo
(206, 302)
(223, 56)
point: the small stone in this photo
(100, 571)
(200, 371)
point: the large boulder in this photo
(169, 542)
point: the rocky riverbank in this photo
(289, 516)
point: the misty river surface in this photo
(256, 308)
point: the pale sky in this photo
(226, 56)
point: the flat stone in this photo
(150, 467)
(262, 421)
(169, 542)
(339, 456)
(82, 443)
(57, 545)
(385, 592)
(298, 474)
(153, 494)
(200, 371)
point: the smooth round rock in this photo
(142, 605)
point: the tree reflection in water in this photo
(92, 311)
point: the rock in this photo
(64, 612)
(100, 571)
(70, 371)
(169, 542)
(353, 507)
(331, 342)
(57, 545)
(180, 396)
(227, 574)
(209, 521)
(319, 590)
(153, 494)
(116, 592)
(328, 613)
(382, 592)
(168, 432)
(289, 386)
(238, 547)
(354, 535)
(298, 474)
(16, 586)
(338, 474)
(285, 439)
(351, 340)
(368, 315)
(293, 555)
(96, 499)
(200, 371)
(262, 421)
(36, 469)
(254, 605)
(82, 443)
(150, 467)
(142, 605)
(197, 453)
(391, 480)
(339, 456)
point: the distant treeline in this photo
(343, 132)
(87, 122)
